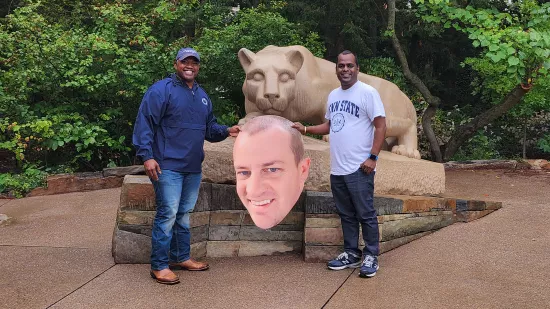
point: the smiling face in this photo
(269, 180)
(347, 70)
(187, 69)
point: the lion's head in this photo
(270, 78)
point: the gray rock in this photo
(387, 205)
(131, 248)
(4, 219)
(224, 232)
(205, 197)
(123, 171)
(254, 233)
(410, 226)
(481, 164)
(224, 197)
(461, 205)
(319, 203)
(199, 234)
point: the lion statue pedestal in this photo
(395, 174)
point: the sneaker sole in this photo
(368, 275)
(356, 265)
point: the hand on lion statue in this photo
(292, 83)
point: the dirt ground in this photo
(507, 186)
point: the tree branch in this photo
(464, 132)
(432, 101)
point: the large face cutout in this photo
(269, 181)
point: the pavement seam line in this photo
(331, 296)
(78, 288)
(6, 203)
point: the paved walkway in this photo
(56, 254)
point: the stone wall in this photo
(221, 226)
(401, 219)
(106, 179)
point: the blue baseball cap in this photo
(187, 52)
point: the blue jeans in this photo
(176, 194)
(354, 196)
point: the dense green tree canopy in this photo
(73, 72)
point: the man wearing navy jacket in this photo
(174, 119)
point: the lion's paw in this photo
(407, 152)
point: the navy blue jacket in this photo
(172, 123)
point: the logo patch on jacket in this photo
(204, 101)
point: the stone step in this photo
(221, 226)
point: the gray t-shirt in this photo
(351, 113)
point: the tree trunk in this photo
(373, 33)
(524, 150)
(433, 101)
(464, 132)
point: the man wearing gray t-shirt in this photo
(356, 122)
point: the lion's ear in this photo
(295, 58)
(246, 57)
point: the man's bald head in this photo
(262, 123)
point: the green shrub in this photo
(17, 185)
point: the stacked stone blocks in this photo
(221, 226)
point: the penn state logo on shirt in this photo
(337, 122)
(204, 101)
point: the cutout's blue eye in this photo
(243, 173)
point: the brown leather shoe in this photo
(190, 265)
(165, 276)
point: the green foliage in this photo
(544, 143)
(517, 43)
(512, 40)
(386, 68)
(354, 25)
(479, 147)
(70, 93)
(17, 185)
(254, 29)
(73, 73)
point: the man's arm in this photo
(216, 132)
(321, 129)
(379, 136)
(150, 113)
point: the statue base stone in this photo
(220, 226)
(395, 174)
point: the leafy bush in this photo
(17, 185)
(479, 147)
(71, 94)
(544, 144)
(387, 69)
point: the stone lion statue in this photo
(291, 82)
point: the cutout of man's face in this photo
(269, 180)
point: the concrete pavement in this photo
(56, 254)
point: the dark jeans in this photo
(176, 195)
(353, 195)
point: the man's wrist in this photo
(373, 157)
